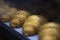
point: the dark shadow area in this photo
(29, 5)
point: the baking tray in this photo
(35, 37)
(8, 33)
(14, 34)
